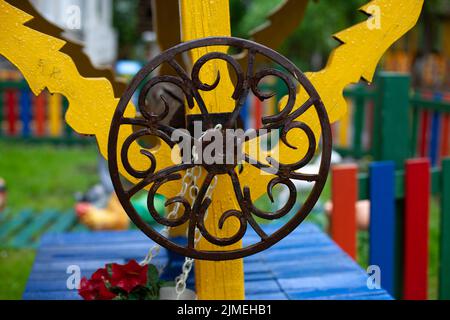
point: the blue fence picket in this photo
(383, 222)
(435, 133)
(245, 114)
(25, 111)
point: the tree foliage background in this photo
(308, 46)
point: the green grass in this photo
(15, 266)
(434, 246)
(46, 176)
(39, 177)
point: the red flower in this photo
(129, 276)
(95, 288)
(101, 274)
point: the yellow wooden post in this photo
(45, 65)
(344, 126)
(225, 279)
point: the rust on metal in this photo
(245, 82)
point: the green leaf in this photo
(121, 297)
(108, 285)
(109, 269)
(117, 290)
(152, 276)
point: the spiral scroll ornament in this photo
(247, 80)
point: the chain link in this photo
(190, 187)
(154, 250)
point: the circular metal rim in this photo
(294, 221)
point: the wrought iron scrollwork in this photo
(246, 80)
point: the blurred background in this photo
(52, 180)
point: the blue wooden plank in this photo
(313, 268)
(383, 225)
(263, 286)
(25, 111)
(77, 238)
(54, 295)
(61, 265)
(73, 295)
(336, 294)
(287, 254)
(112, 237)
(56, 284)
(299, 267)
(75, 250)
(435, 133)
(266, 296)
(323, 281)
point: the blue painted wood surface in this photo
(435, 132)
(383, 227)
(305, 265)
(25, 111)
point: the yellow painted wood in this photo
(344, 126)
(91, 100)
(225, 279)
(72, 48)
(166, 21)
(356, 58)
(55, 118)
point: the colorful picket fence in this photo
(388, 110)
(41, 119)
(399, 221)
(24, 116)
(23, 229)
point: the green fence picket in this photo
(444, 269)
(13, 224)
(29, 231)
(1, 111)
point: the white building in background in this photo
(89, 21)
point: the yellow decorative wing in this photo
(43, 62)
(362, 47)
(41, 59)
(71, 48)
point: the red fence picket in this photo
(343, 216)
(416, 222)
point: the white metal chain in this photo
(154, 250)
(192, 174)
(180, 281)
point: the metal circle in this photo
(284, 121)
